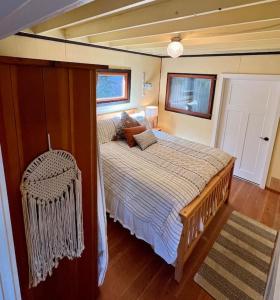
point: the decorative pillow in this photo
(130, 132)
(125, 122)
(106, 129)
(145, 139)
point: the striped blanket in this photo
(145, 190)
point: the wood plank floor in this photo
(136, 272)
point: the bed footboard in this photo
(198, 214)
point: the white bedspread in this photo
(145, 190)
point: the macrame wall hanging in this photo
(52, 207)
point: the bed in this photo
(167, 194)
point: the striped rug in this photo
(237, 266)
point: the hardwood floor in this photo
(136, 272)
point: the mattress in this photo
(145, 190)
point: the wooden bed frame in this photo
(202, 209)
(197, 215)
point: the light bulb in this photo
(175, 49)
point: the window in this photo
(190, 94)
(113, 86)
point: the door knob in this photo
(264, 138)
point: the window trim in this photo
(212, 77)
(127, 74)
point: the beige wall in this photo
(198, 129)
(41, 49)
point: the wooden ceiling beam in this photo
(156, 13)
(245, 15)
(259, 27)
(142, 40)
(231, 47)
(190, 41)
(90, 11)
(238, 46)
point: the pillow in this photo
(106, 129)
(125, 122)
(145, 139)
(129, 132)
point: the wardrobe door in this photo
(83, 121)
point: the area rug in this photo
(238, 264)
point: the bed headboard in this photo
(112, 115)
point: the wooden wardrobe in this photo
(38, 97)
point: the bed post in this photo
(230, 181)
(197, 215)
(179, 267)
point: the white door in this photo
(248, 117)
(9, 284)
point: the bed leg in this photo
(229, 184)
(179, 268)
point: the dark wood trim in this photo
(48, 63)
(125, 72)
(53, 39)
(194, 114)
(193, 75)
(211, 77)
(24, 61)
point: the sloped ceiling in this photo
(16, 15)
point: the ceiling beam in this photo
(256, 13)
(237, 46)
(267, 26)
(90, 11)
(189, 41)
(154, 14)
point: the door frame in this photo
(8, 235)
(217, 111)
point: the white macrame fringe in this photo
(54, 227)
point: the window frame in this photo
(127, 74)
(211, 77)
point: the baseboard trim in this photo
(272, 190)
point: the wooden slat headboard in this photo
(113, 114)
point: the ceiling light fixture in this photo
(175, 47)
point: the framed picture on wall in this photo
(190, 94)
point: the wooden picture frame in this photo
(127, 76)
(168, 105)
